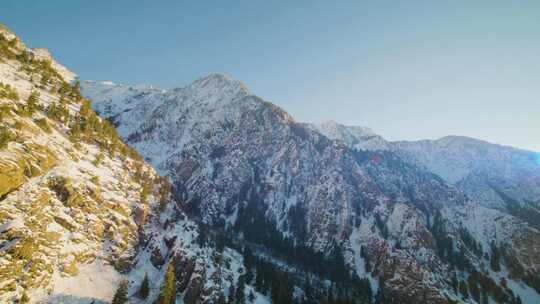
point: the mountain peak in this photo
(219, 82)
(357, 130)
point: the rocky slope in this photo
(247, 169)
(80, 211)
(479, 168)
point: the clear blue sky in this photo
(407, 69)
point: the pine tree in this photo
(75, 131)
(473, 288)
(463, 289)
(52, 111)
(32, 103)
(259, 283)
(5, 137)
(24, 298)
(251, 296)
(485, 298)
(120, 297)
(168, 289)
(455, 283)
(232, 290)
(495, 258)
(221, 299)
(240, 290)
(76, 91)
(99, 158)
(45, 77)
(145, 288)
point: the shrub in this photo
(25, 250)
(98, 159)
(6, 136)
(32, 103)
(6, 91)
(43, 124)
(5, 111)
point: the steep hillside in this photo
(80, 212)
(290, 193)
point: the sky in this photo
(407, 69)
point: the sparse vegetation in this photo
(99, 158)
(5, 111)
(6, 136)
(24, 250)
(43, 124)
(6, 91)
(32, 104)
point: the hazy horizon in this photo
(408, 71)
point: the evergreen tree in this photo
(76, 91)
(99, 158)
(45, 78)
(32, 103)
(232, 290)
(221, 299)
(473, 288)
(5, 136)
(24, 299)
(251, 296)
(75, 132)
(240, 290)
(52, 111)
(485, 298)
(259, 283)
(455, 283)
(167, 294)
(120, 297)
(460, 259)
(249, 276)
(495, 258)
(463, 289)
(145, 288)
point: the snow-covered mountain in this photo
(80, 211)
(413, 219)
(496, 176)
(223, 197)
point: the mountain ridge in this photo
(245, 152)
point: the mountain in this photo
(80, 211)
(496, 176)
(209, 194)
(338, 204)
